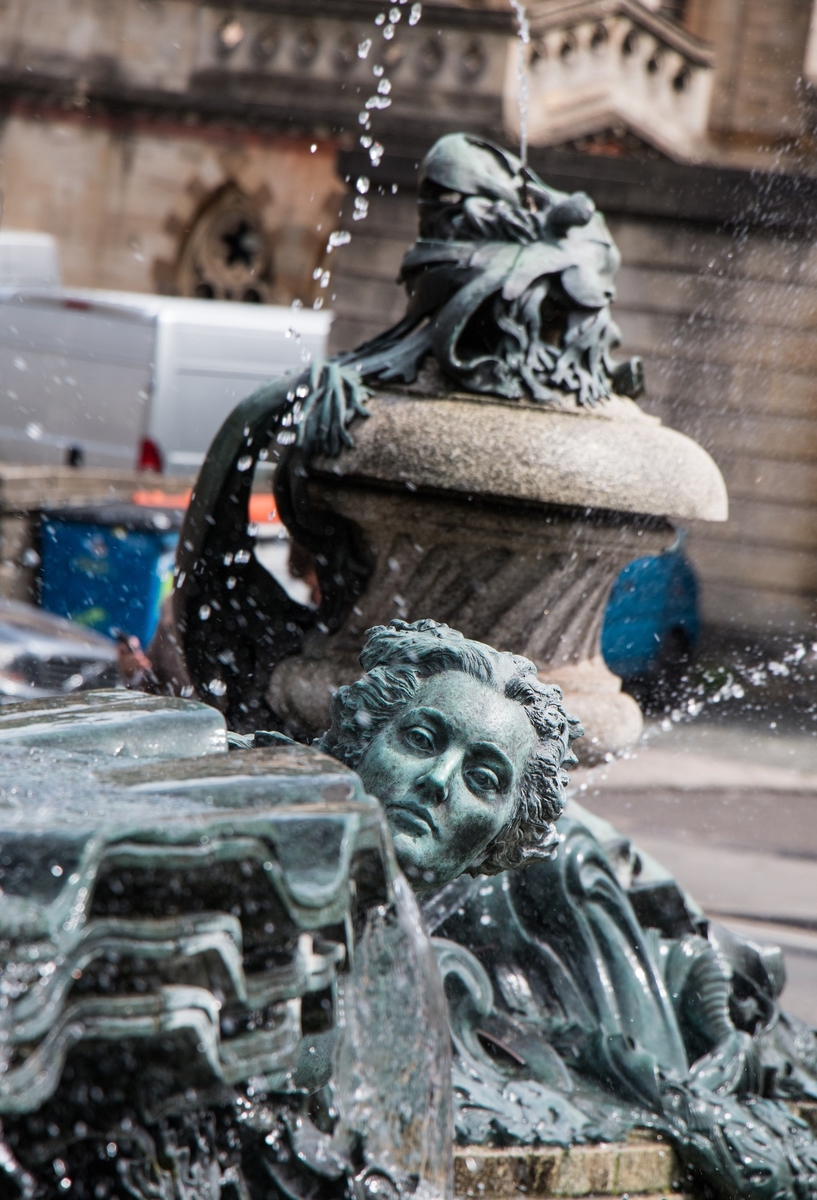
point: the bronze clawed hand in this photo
(335, 396)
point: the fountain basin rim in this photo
(500, 450)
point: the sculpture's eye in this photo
(482, 780)
(419, 738)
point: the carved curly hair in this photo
(398, 657)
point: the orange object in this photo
(262, 504)
(262, 508)
(157, 498)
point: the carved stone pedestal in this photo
(510, 522)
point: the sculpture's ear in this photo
(587, 287)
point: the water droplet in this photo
(204, 612)
(415, 14)
(364, 47)
(56, 870)
(244, 463)
(217, 687)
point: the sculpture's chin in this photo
(409, 850)
(413, 857)
(420, 864)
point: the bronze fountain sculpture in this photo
(587, 995)
(192, 942)
(572, 1019)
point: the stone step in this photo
(644, 1168)
(637, 1168)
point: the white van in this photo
(119, 379)
(28, 260)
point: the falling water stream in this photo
(523, 35)
(387, 23)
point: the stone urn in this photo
(509, 521)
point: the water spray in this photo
(523, 36)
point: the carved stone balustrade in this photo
(597, 62)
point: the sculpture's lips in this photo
(416, 815)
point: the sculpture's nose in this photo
(437, 779)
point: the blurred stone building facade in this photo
(199, 147)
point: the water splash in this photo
(387, 24)
(523, 36)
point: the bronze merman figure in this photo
(572, 1019)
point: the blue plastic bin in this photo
(108, 567)
(653, 607)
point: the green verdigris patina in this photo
(574, 1019)
(509, 283)
(198, 953)
(509, 289)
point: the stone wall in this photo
(121, 196)
(759, 105)
(725, 323)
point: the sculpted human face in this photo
(447, 770)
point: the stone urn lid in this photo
(614, 458)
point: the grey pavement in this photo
(731, 810)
